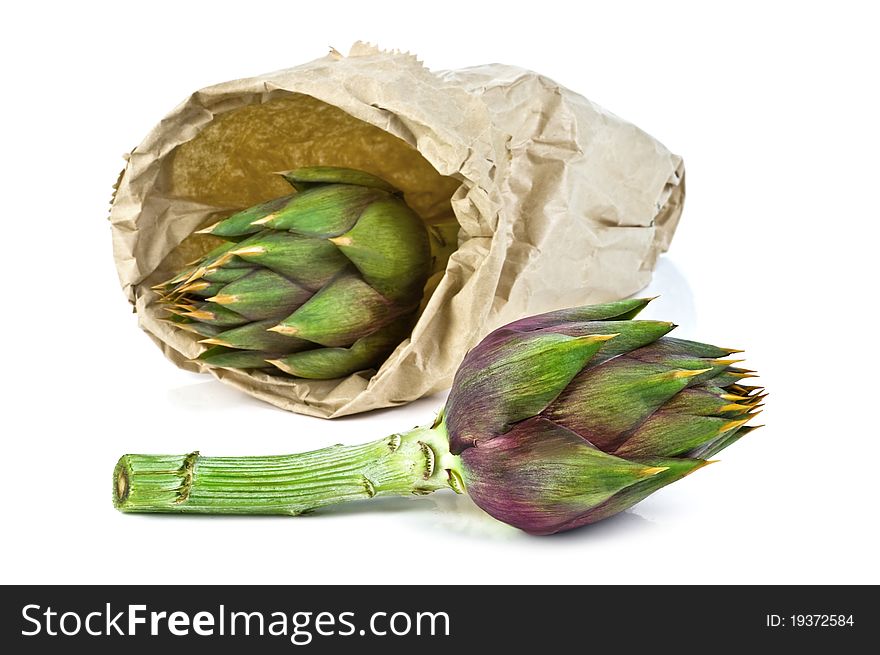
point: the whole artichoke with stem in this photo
(553, 422)
(319, 284)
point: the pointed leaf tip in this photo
(689, 373)
(341, 240)
(223, 299)
(732, 425)
(215, 342)
(248, 250)
(279, 364)
(285, 330)
(593, 338)
(703, 464)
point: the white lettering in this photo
(373, 624)
(247, 621)
(134, 619)
(49, 614)
(77, 621)
(394, 618)
(281, 622)
(89, 616)
(203, 624)
(300, 637)
(344, 621)
(113, 624)
(178, 623)
(24, 615)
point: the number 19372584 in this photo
(810, 621)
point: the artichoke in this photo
(319, 284)
(553, 422)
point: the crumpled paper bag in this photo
(560, 203)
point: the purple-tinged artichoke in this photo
(553, 422)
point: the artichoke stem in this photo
(415, 462)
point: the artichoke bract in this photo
(318, 284)
(553, 422)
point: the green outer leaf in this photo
(613, 311)
(540, 476)
(262, 295)
(209, 291)
(389, 246)
(222, 317)
(667, 435)
(671, 350)
(517, 383)
(240, 223)
(312, 176)
(227, 358)
(308, 261)
(256, 336)
(699, 401)
(675, 469)
(225, 275)
(631, 335)
(188, 324)
(342, 312)
(604, 402)
(325, 211)
(727, 439)
(327, 363)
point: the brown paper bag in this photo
(560, 203)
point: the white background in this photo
(775, 110)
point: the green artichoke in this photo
(319, 284)
(553, 422)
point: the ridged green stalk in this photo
(416, 462)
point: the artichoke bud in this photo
(569, 417)
(337, 269)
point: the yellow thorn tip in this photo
(248, 250)
(284, 329)
(223, 299)
(216, 342)
(341, 240)
(601, 337)
(689, 373)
